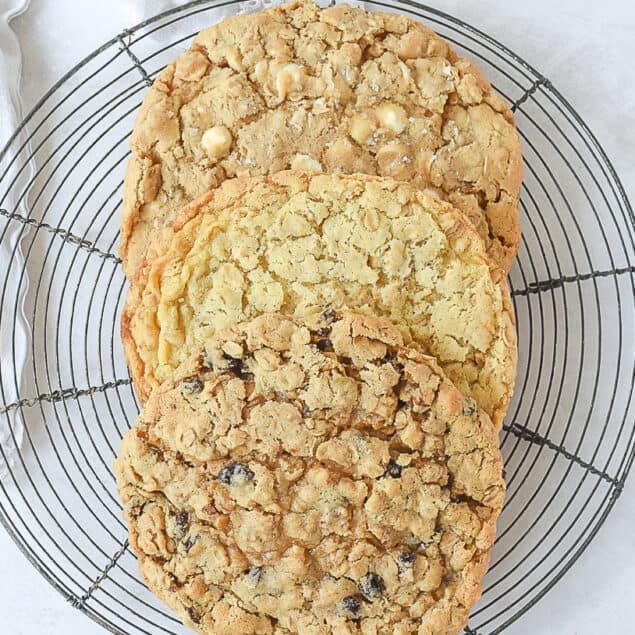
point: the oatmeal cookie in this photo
(296, 242)
(334, 90)
(312, 476)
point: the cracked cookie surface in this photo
(294, 243)
(334, 90)
(312, 476)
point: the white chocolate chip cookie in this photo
(337, 90)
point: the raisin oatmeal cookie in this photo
(312, 476)
(334, 90)
(296, 242)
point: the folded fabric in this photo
(11, 339)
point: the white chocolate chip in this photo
(361, 129)
(217, 141)
(305, 162)
(392, 116)
(289, 79)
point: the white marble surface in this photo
(587, 50)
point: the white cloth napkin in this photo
(11, 425)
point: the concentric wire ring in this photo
(569, 436)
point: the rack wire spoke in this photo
(64, 393)
(541, 81)
(556, 283)
(125, 46)
(64, 234)
(533, 437)
(79, 603)
(569, 440)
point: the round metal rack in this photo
(568, 439)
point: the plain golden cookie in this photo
(334, 90)
(312, 476)
(295, 243)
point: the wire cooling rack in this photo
(568, 440)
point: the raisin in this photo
(235, 474)
(236, 365)
(405, 561)
(351, 604)
(206, 360)
(194, 616)
(470, 407)
(182, 521)
(407, 557)
(371, 586)
(345, 361)
(191, 386)
(329, 316)
(325, 345)
(324, 332)
(254, 575)
(393, 469)
(189, 543)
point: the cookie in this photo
(334, 90)
(312, 476)
(294, 243)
